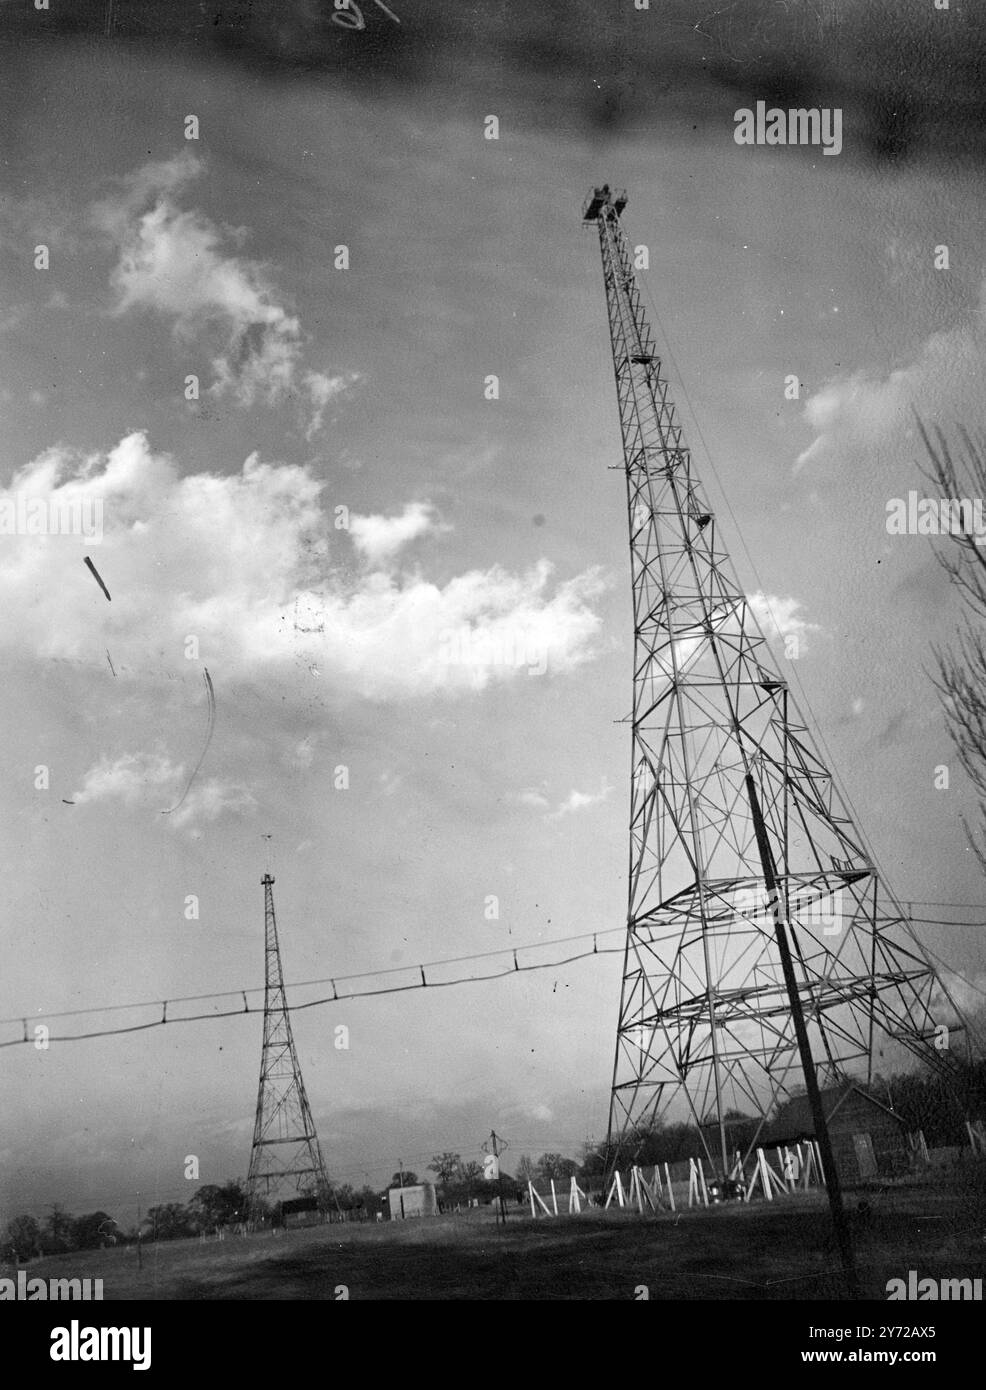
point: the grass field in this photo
(782, 1250)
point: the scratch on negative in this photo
(208, 739)
(98, 578)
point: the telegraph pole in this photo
(497, 1145)
(778, 902)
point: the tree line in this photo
(924, 1101)
(212, 1207)
(936, 1102)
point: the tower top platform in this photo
(602, 198)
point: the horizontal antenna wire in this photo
(514, 968)
(329, 979)
(334, 998)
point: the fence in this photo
(672, 1187)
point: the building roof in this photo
(796, 1119)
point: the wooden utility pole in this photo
(495, 1145)
(779, 903)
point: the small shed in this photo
(300, 1211)
(869, 1138)
(419, 1200)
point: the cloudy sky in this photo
(384, 571)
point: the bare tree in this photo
(555, 1166)
(526, 1168)
(961, 678)
(446, 1165)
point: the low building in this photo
(419, 1200)
(301, 1211)
(869, 1138)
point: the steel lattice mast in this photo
(705, 1024)
(286, 1156)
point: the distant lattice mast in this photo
(286, 1157)
(705, 1022)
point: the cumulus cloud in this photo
(394, 635)
(858, 411)
(128, 778)
(781, 617)
(321, 390)
(173, 261)
(854, 410)
(211, 798)
(579, 801)
(144, 779)
(241, 562)
(378, 538)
